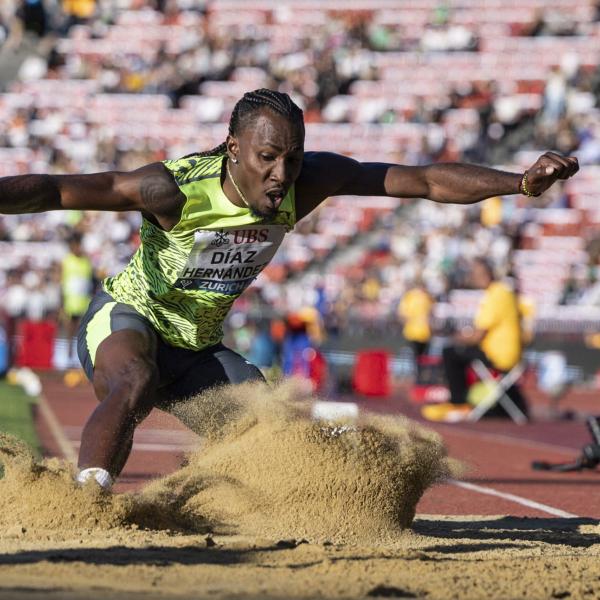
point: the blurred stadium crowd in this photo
(90, 85)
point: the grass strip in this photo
(16, 415)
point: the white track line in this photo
(512, 498)
(507, 439)
(56, 430)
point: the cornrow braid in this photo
(252, 102)
(216, 151)
(246, 109)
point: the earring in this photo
(234, 160)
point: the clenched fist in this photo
(545, 171)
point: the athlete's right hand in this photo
(546, 170)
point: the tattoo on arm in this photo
(159, 194)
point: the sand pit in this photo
(496, 558)
(265, 469)
(277, 505)
(271, 471)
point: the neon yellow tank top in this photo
(185, 280)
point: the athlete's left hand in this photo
(546, 170)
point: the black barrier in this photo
(589, 458)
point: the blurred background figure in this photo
(31, 19)
(297, 347)
(77, 281)
(300, 354)
(553, 379)
(77, 12)
(414, 311)
(263, 351)
(14, 303)
(495, 339)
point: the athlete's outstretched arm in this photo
(149, 188)
(326, 174)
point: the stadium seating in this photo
(114, 101)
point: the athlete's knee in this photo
(133, 384)
(139, 378)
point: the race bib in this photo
(227, 261)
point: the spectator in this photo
(32, 18)
(572, 288)
(555, 97)
(296, 348)
(77, 284)
(414, 311)
(495, 339)
(263, 349)
(14, 303)
(77, 12)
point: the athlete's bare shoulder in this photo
(322, 175)
(159, 194)
(319, 168)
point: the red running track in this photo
(498, 454)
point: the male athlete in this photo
(211, 222)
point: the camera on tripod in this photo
(590, 453)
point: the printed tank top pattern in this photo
(184, 281)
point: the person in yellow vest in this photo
(77, 287)
(80, 9)
(495, 338)
(414, 311)
(314, 324)
(211, 222)
(491, 212)
(527, 311)
(77, 12)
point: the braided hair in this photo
(246, 110)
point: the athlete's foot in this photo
(101, 476)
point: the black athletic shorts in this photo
(182, 372)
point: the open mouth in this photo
(276, 196)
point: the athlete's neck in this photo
(231, 189)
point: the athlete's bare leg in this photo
(121, 458)
(125, 382)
